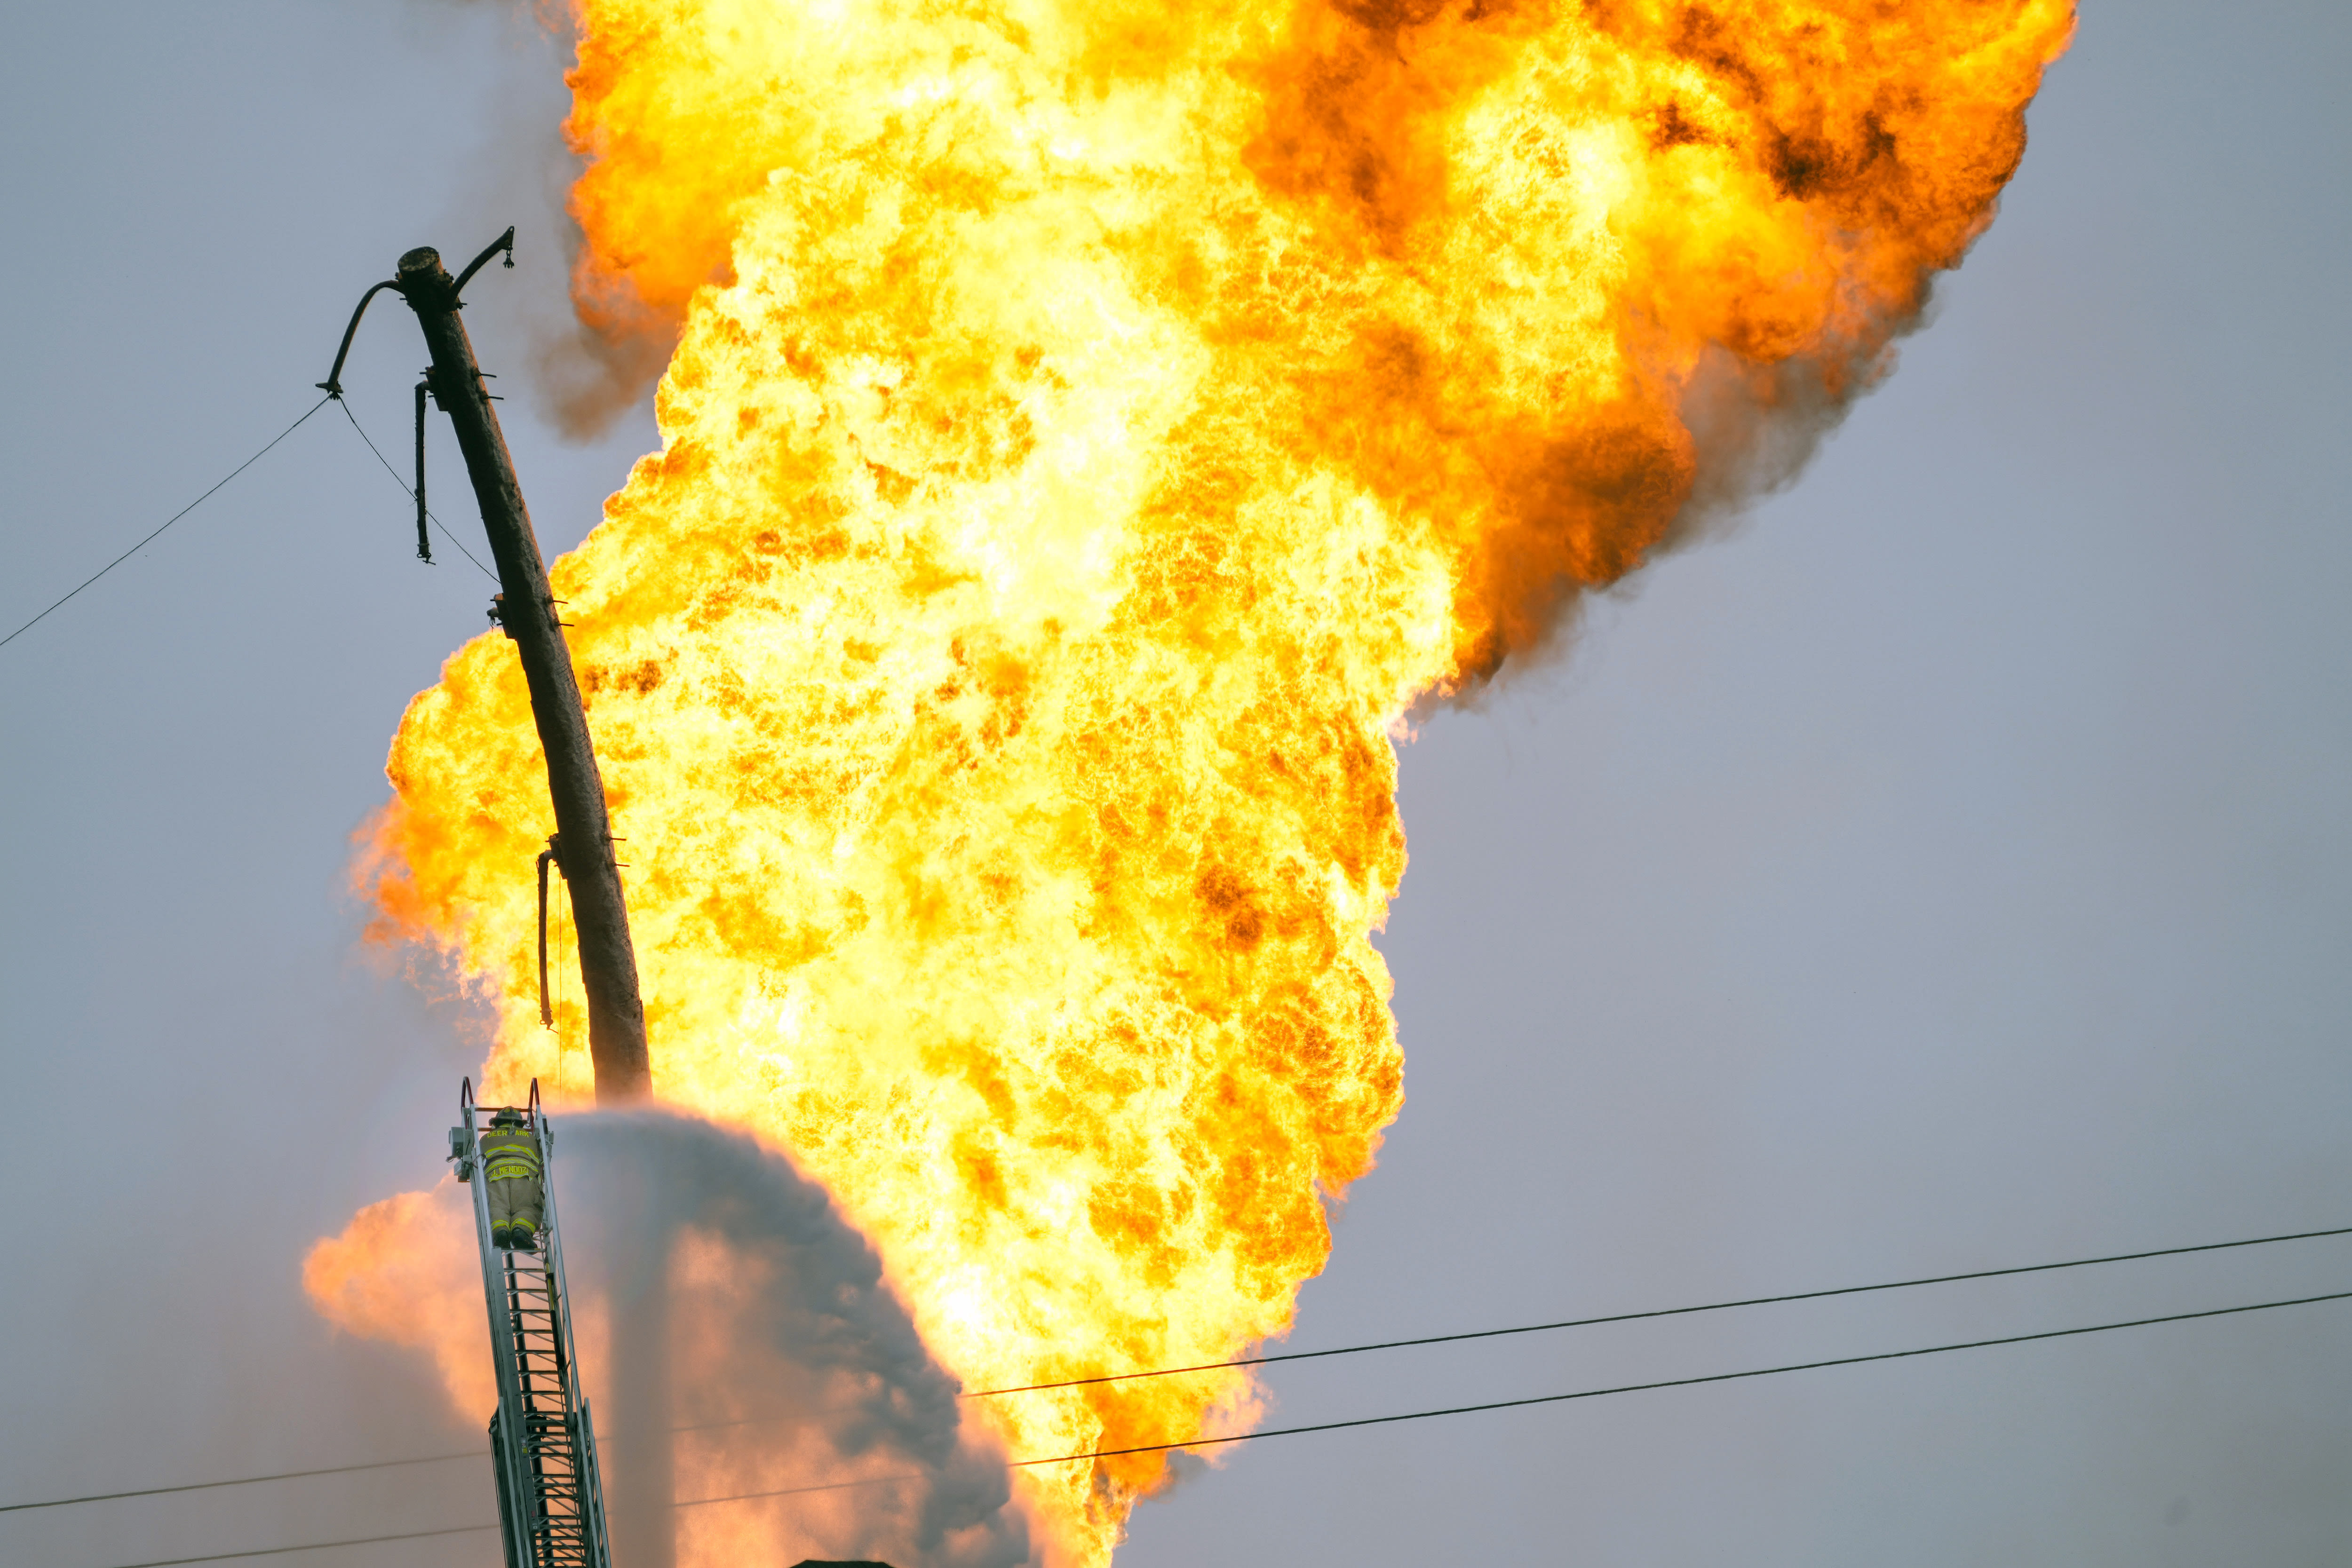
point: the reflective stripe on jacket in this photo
(509, 1152)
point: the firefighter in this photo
(516, 1198)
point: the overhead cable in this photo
(1654, 1312)
(167, 522)
(794, 1492)
(1359, 1421)
(242, 1480)
(310, 1546)
(1582, 1394)
(1343, 1350)
(410, 494)
(1680, 1382)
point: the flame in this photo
(1091, 428)
(401, 1272)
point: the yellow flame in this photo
(1091, 427)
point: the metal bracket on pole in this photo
(505, 242)
(333, 385)
(423, 539)
(551, 855)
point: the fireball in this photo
(1092, 428)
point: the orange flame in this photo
(1091, 427)
(400, 1272)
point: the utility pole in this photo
(526, 611)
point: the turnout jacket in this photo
(510, 1154)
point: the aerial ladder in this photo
(542, 1445)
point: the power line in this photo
(312, 1546)
(1350, 1350)
(1661, 1312)
(167, 522)
(1367, 1420)
(405, 490)
(242, 1481)
(794, 1492)
(1681, 1382)
(1587, 1393)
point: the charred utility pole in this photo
(526, 610)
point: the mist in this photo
(752, 1346)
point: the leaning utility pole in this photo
(526, 611)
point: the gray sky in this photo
(1951, 868)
